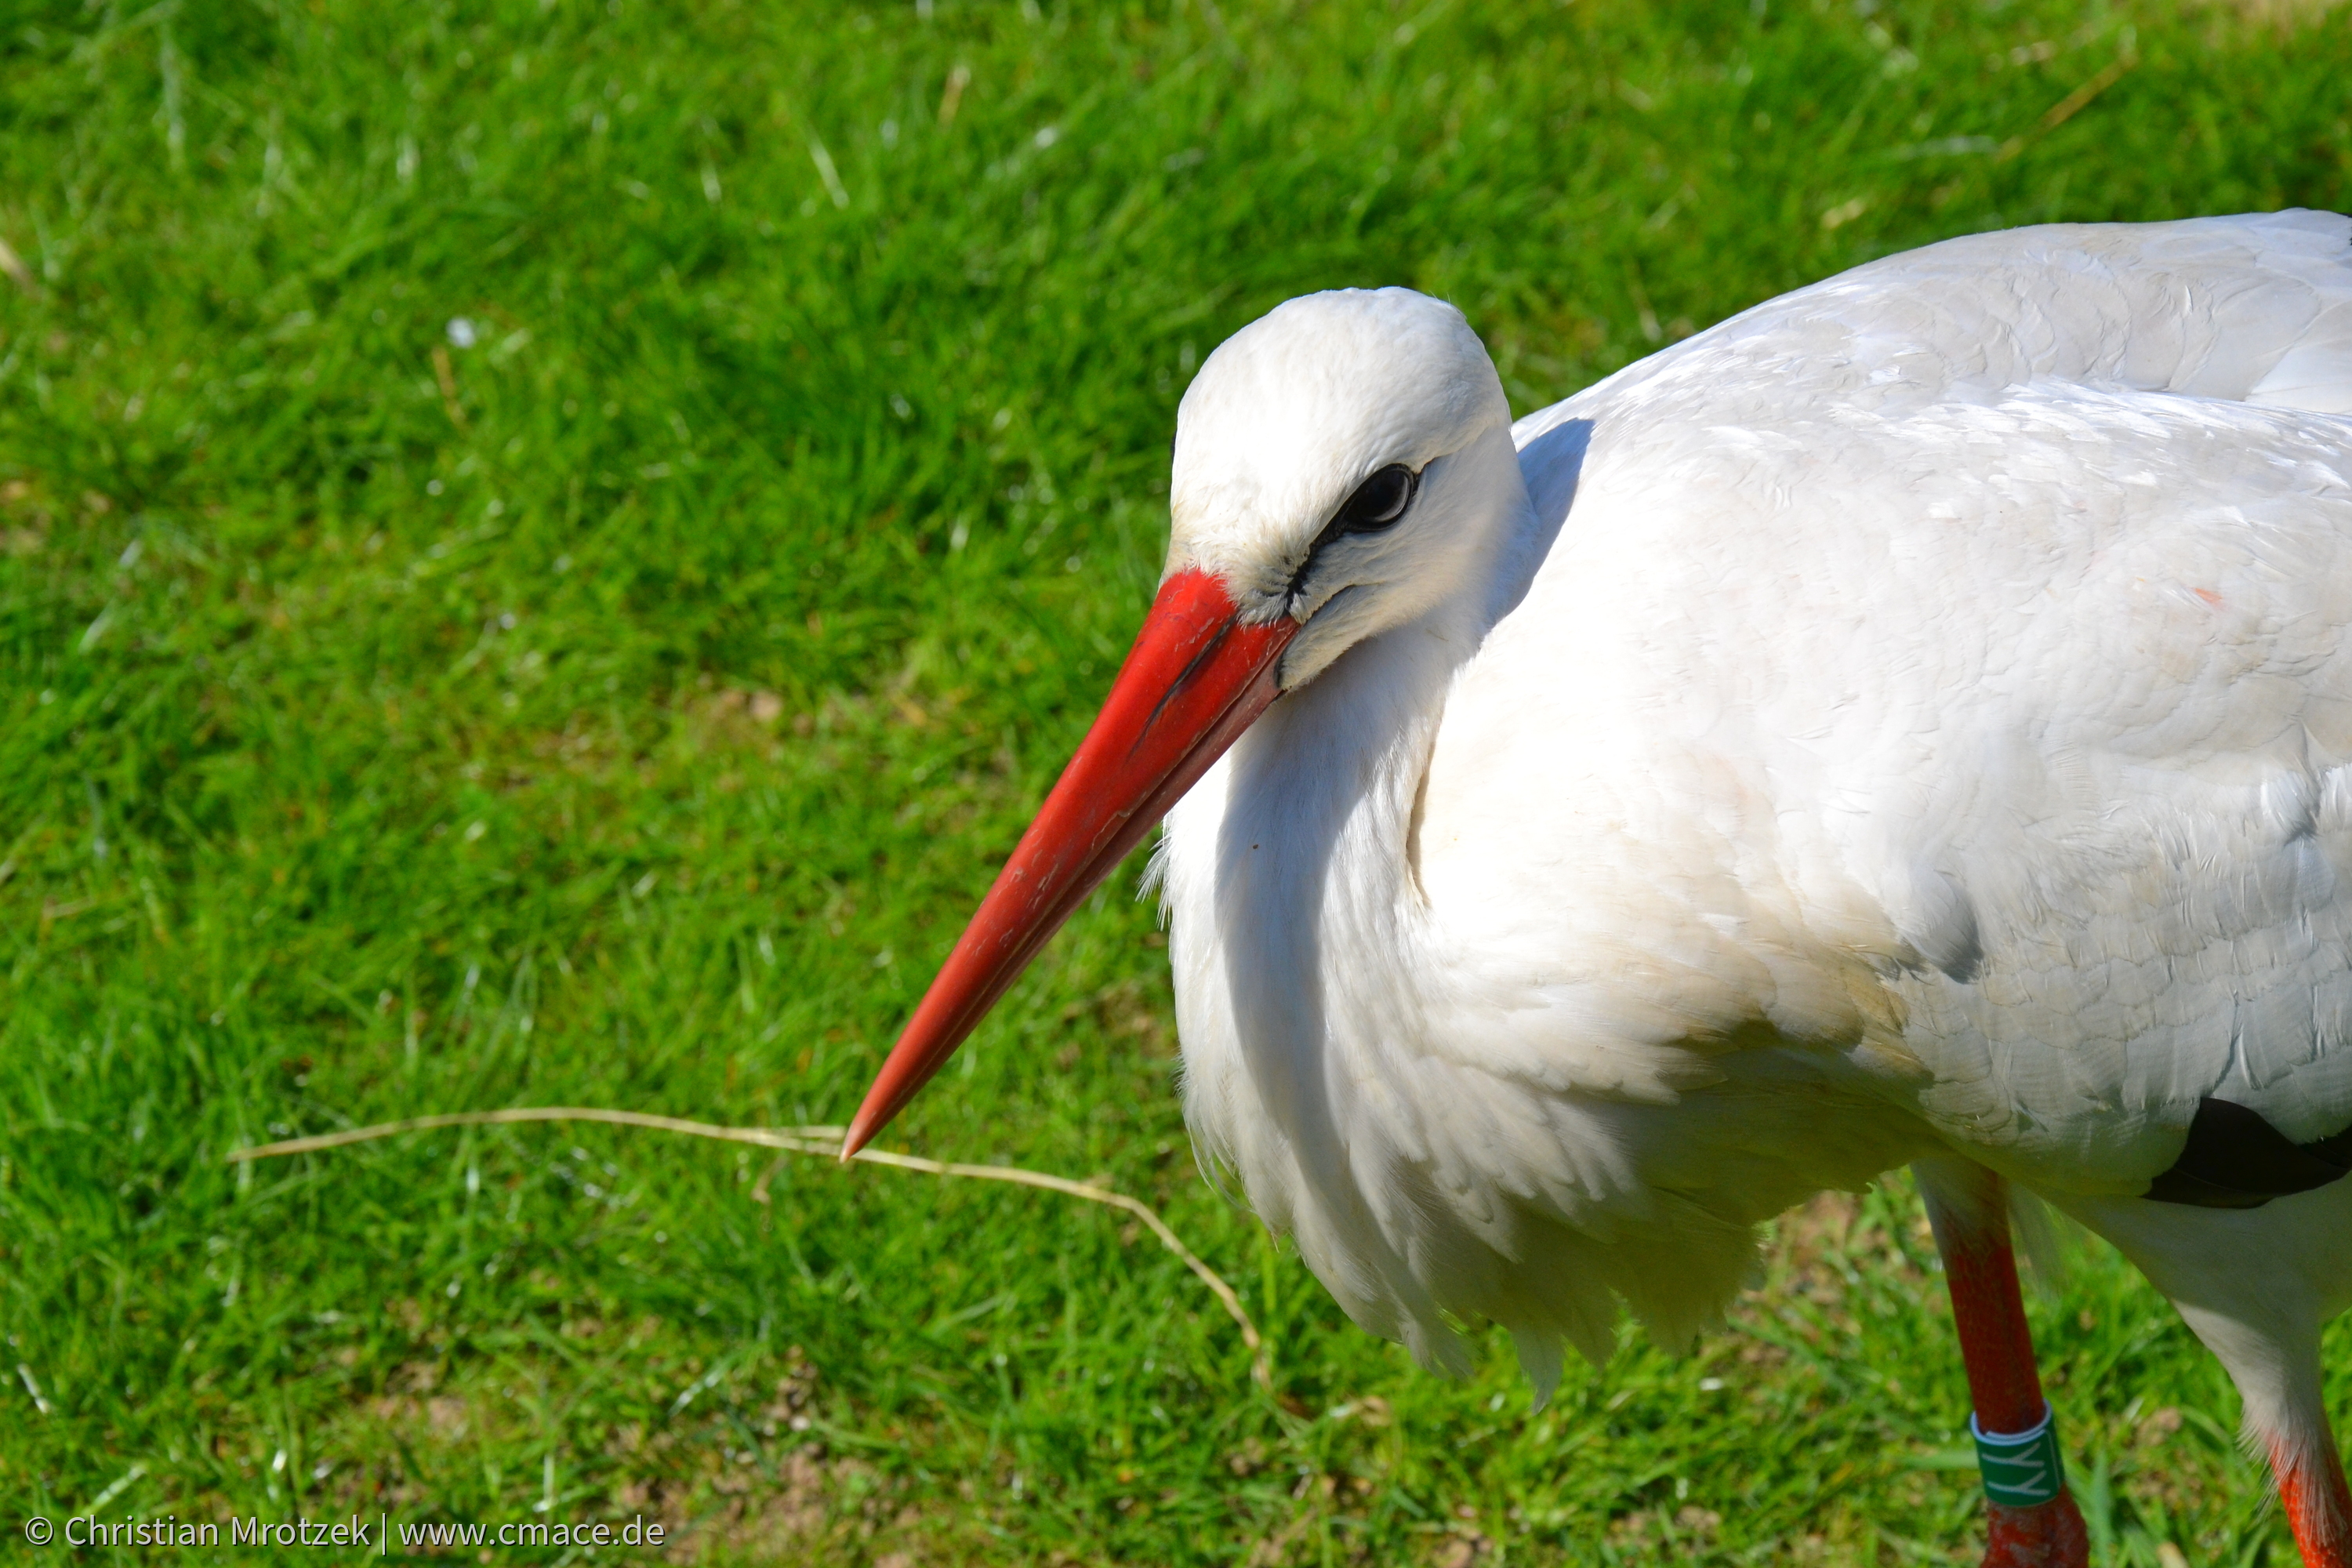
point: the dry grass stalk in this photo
(824, 1143)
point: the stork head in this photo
(1326, 467)
(1336, 462)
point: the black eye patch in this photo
(1378, 501)
(1375, 505)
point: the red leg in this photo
(2318, 1504)
(1968, 1207)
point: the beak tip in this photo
(860, 1133)
(885, 1097)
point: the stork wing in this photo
(1946, 665)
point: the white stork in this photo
(1910, 723)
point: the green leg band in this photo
(2022, 1470)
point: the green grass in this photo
(627, 709)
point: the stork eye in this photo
(1376, 506)
(1377, 502)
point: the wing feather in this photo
(1978, 615)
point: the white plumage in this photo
(1911, 715)
(1908, 723)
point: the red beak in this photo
(1194, 680)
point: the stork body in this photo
(1910, 723)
